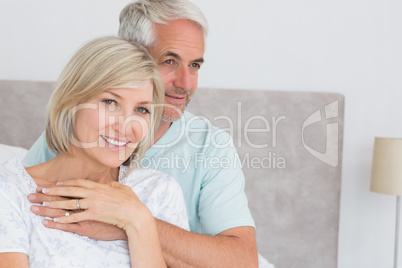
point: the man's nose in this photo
(183, 78)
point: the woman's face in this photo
(109, 127)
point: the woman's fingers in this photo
(70, 204)
(47, 212)
(76, 188)
(39, 198)
(68, 216)
(73, 217)
(66, 191)
(111, 203)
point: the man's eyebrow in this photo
(177, 56)
(200, 60)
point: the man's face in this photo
(179, 52)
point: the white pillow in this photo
(7, 152)
(263, 263)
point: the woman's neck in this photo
(65, 167)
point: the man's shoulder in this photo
(189, 134)
(194, 133)
(192, 121)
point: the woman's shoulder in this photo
(150, 178)
(11, 167)
(13, 176)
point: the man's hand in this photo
(92, 229)
(235, 247)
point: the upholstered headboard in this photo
(289, 145)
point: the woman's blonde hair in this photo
(99, 65)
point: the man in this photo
(222, 229)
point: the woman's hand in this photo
(111, 203)
(92, 229)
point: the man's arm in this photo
(234, 247)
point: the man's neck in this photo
(163, 128)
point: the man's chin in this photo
(169, 118)
(171, 115)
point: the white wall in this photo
(347, 46)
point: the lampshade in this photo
(386, 176)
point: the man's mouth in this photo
(179, 97)
(114, 142)
(176, 98)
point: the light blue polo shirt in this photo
(203, 159)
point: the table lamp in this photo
(386, 176)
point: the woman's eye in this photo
(110, 102)
(142, 110)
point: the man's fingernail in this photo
(45, 222)
(45, 190)
(56, 219)
(31, 197)
(46, 204)
(59, 183)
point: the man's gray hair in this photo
(137, 18)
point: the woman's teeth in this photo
(114, 142)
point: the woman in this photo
(98, 123)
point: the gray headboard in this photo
(290, 147)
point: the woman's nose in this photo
(132, 128)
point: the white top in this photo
(23, 231)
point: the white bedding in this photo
(7, 152)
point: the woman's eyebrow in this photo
(145, 102)
(114, 94)
(118, 96)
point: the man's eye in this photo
(142, 110)
(168, 61)
(196, 65)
